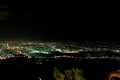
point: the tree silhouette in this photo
(77, 74)
(73, 74)
(57, 75)
(68, 74)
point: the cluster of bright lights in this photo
(38, 52)
(29, 48)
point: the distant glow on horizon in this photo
(39, 52)
(45, 52)
(34, 51)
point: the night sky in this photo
(54, 23)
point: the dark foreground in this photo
(27, 69)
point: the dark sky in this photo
(40, 22)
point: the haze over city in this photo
(37, 22)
